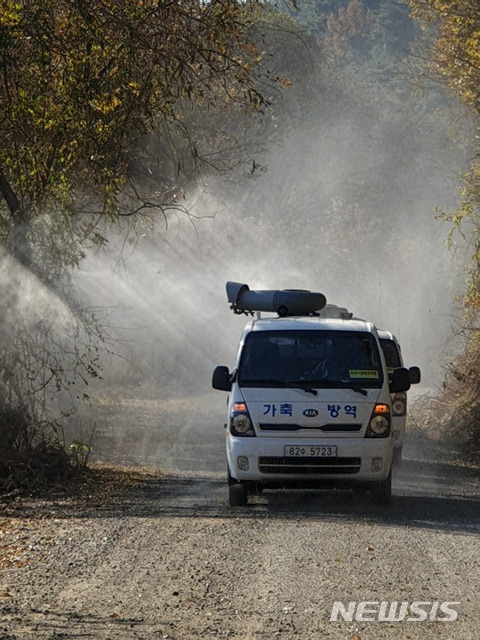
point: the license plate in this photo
(309, 451)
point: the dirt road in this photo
(165, 557)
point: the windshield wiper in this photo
(299, 384)
(282, 383)
(364, 392)
(337, 384)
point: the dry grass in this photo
(451, 418)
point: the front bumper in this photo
(266, 461)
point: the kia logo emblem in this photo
(310, 413)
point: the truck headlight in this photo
(399, 405)
(380, 422)
(241, 424)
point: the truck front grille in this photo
(309, 466)
(284, 426)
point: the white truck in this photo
(310, 401)
(393, 359)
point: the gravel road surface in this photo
(165, 557)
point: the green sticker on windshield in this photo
(363, 373)
(390, 369)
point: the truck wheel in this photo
(237, 495)
(382, 491)
(397, 455)
(230, 480)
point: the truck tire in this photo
(381, 491)
(237, 495)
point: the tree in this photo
(349, 30)
(82, 84)
(456, 52)
(81, 80)
(455, 56)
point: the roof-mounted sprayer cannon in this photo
(289, 302)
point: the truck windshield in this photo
(311, 358)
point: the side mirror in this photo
(221, 379)
(400, 380)
(415, 375)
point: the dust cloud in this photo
(386, 263)
(344, 204)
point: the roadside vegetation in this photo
(98, 130)
(454, 54)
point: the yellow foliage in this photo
(9, 13)
(134, 88)
(106, 104)
(457, 49)
(456, 55)
(80, 80)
